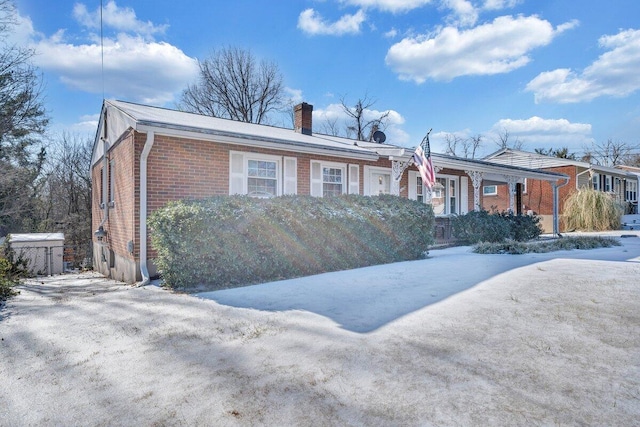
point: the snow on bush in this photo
(229, 241)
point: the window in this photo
(631, 192)
(419, 189)
(490, 190)
(329, 179)
(262, 178)
(607, 183)
(112, 183)
(262, 175)
(444, 196)
(332, 181)
(101, 189)
(595, 179)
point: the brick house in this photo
(144, 157)
(537, 195)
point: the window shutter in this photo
(316, 179)
(413, 181)
(290, 176)
(236, 173)
(464, 195)
(354, 179)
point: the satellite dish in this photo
(379, 137)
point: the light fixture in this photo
(100, 233)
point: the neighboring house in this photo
(631, 189)
(144, 157)
(537, 195)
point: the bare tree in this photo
(472, 145)
(453, 143)
(504, 141)
(609, 153)
(360, 125)
(330, 127)
(233, 85)
(462, 147)
(65, 198)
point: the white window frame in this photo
(112, 183)
(595, 181)
(492, 193)
(631, 191)
(447, 195)
(315, 181)
(608, 184)
(286, 183)
(343, 177)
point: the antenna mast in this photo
(101, 51)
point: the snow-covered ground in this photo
(455, 339)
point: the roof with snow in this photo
(529, 160)
(122, 116)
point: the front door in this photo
(380, 183)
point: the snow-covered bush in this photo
(482, 226)
(228, 241)
(564, 244)
(522, 227)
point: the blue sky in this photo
(553, 73)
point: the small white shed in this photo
(44, 251)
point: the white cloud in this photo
(392, 33)
(393, 6)
(464, 13)
(614, 73)
(87, 123)
(493, 48)
(312, 23)
(158, 72)
(537, 132)
(118, 18)
(294, 95)
(500, 4)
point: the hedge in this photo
(482, 226)
(229, 241)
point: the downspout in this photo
(556, 227)
(143, 208)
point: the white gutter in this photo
(144, 271)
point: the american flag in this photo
(422, 159)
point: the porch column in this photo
(476, 180)
(397, 170)
(511, 182)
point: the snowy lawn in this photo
(456, 339)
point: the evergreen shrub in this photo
(12, 269)
(482, 226)
(229, 241)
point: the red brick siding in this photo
(539, 194)
(120, 225)
(181, 168)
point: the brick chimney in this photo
(302, 118)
